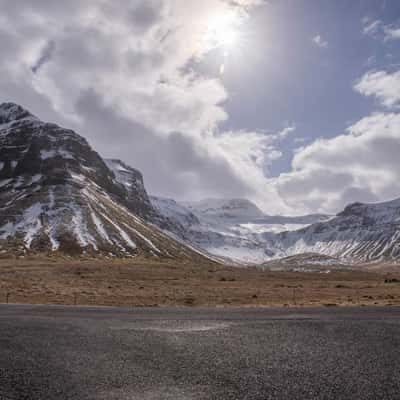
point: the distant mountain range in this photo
(58, 195)
(230, 228)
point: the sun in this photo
(223, 31)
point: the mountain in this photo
(361, 233)
(58, 194)
(238, 230)
(244, 212)
(179, 217)
(228, 210)
(229, 228)
(132, 180)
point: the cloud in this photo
(371, 27)
(378, 29)
(392, 32)
(173, 164)
(360, 165)
(45, 56)
(145, 15)
(227, 164)
(123, 74)
(384, 86)
(127, 78)
(284, 133)
(319, 41)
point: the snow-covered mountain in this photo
(237, 229)
(175, 212)
(58, 194)
(229, 228)
(361, 233)
(225, 210)
(132, 180)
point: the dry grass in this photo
(141, 282)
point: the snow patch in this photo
(145, 239)
(100, 227)
(5, 182)
(122, 233)
(80, 228)
(36, 178)
(30, 224)
(46, 154)
(53, 222)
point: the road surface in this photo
(159, 354)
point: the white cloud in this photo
(300, 140)
(378, 29)
(284, 133)
(361, 165)
(124, 76)
(384, 86)
(370, 26)
(319, 41)
(392, 32)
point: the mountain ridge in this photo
(58, 194)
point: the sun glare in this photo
(223, 31)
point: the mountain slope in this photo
(57, 194)
(228, 228)
(306, 262)
(361, 233)
(228, 210)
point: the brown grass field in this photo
(142, 282)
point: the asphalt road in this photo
(104, 353)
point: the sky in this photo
(293, 104)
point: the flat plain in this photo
(141, 282)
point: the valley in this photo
(79, 228)
(146, 282)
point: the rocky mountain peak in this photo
(57, 194)
(232, 209)
(132, 180)
(10, 112)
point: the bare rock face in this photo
(10, 112)
(132, 181)
(57, 194)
